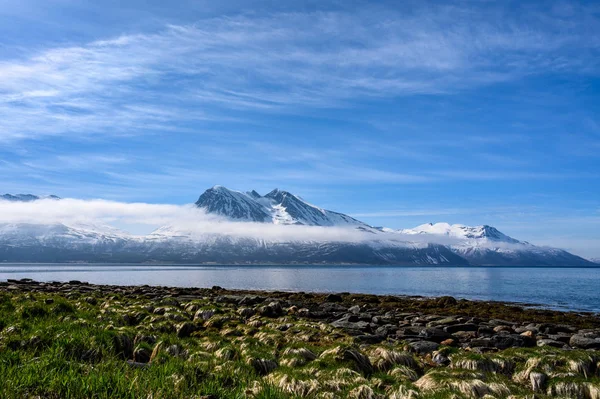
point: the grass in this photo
(82, 345)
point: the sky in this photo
(397, 113)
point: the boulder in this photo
(451, 329)
(423, 347)
(511, 341)
(583, 342)
(185, 329)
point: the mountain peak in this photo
(236, 205)
(254, 194)
(278, 207)
(461, 231)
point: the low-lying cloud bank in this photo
(164, 220)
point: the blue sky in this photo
(468, 112)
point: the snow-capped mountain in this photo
(429, 244)
(25, 197)
(485, 245)
(278, 207)
(485, 232)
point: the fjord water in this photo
(557, 288)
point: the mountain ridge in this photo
(25, 197)
(431, 244)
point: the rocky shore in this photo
(212, 343)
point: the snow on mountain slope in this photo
(485, 245)
(278, 207)
(16, 234)
(233, 204)
(484, 232)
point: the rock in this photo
(564, 338)
(547, 328)
(251, 300)
(386, 330)
(123, 346)
(423, 347)
(369, 338)
(485, 331)
(352, 325)
(511, 341)
(361, 361)
(580, 341)
(434, 334)
(503, 328)
(263, 366)
(332, 307)
(446, 321)
(440, 359)
(446, 301)
(204, 314)
(354, 309)
(481, 343)
(528, 334)
(141, 355)
(334, 298)
(461, 327)
(273, 309)
(185, 329)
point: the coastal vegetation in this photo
(76, 340)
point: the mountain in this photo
(429, 244)
(88, 243)
(485, 245)
(595, 260)
(25, 197)
(278, 207)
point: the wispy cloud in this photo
(148, 81)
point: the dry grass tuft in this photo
(293, 386)
(384, 359)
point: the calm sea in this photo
(558, 288)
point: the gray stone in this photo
(580, 341)
(461, 327)
(423, 347)
(185, 329)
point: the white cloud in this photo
(202, 71)
(185, 219)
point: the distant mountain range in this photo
(25, 197)
(428, 244)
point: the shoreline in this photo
(425, 304)
(523, 305)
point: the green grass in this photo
(78, 346)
